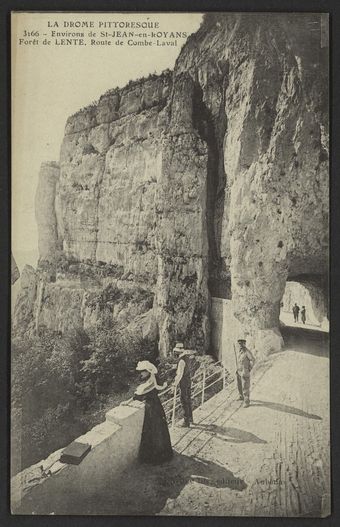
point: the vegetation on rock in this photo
(63, 384)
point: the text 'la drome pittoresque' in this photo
(121, 29)
(107, 24)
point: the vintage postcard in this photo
(170, 264)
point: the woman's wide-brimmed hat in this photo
(145, 365)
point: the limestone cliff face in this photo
(263, 82)
(211, 178)
(45, 211)
(182, 298)
(110, 164)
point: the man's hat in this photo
(241, 340)
(186, 352)
(179, 348)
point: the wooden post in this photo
(174, 409)
(203, 387)
(223, 373)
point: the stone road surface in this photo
(271, 459)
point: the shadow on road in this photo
(285, 408)
(230, 434)
(145, 489)
(306, 340)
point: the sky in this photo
(51, 82)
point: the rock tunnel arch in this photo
(305, 289)
(311, 291)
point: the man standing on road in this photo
(244, 361)
(183, 379)
(303, 315)
(296, 310)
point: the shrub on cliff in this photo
(44, 369)
(63, 384)
(41, 371)
(87, 269)
(112, 359)
(113, 295)
(104, 368)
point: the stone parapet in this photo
(52, 487)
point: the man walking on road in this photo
(183, 379)
(303, 315)
(244, 362)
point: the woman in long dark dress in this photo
(155, 447)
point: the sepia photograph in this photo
(170, 264)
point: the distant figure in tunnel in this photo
(244, 363)
(303, 315)
(296, 310)
(155, 446)
(183, 379)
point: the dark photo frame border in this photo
(330, 6)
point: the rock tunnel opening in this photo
(309, 292)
